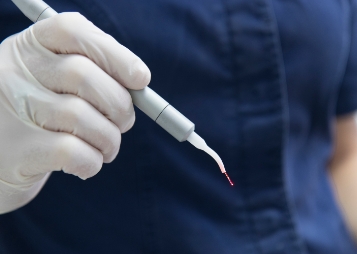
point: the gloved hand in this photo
(63, 103)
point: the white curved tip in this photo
(199, 143)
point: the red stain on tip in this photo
(230, 181)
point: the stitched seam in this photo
(234, 69)
(284, 101)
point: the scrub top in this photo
(263, 80)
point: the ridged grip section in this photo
(149, 102)
(49, 12)
(162, 113)
(175, 123)
(31, 8)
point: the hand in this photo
(63, 103)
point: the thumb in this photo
(72, 33)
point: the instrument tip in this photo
(229, 179)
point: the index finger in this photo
(72, 33)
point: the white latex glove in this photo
(63, 103)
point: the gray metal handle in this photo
(162, 113)
(35, 10)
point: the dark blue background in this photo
(262, 82)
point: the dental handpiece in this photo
(146, 99)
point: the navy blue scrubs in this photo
(263, 80)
